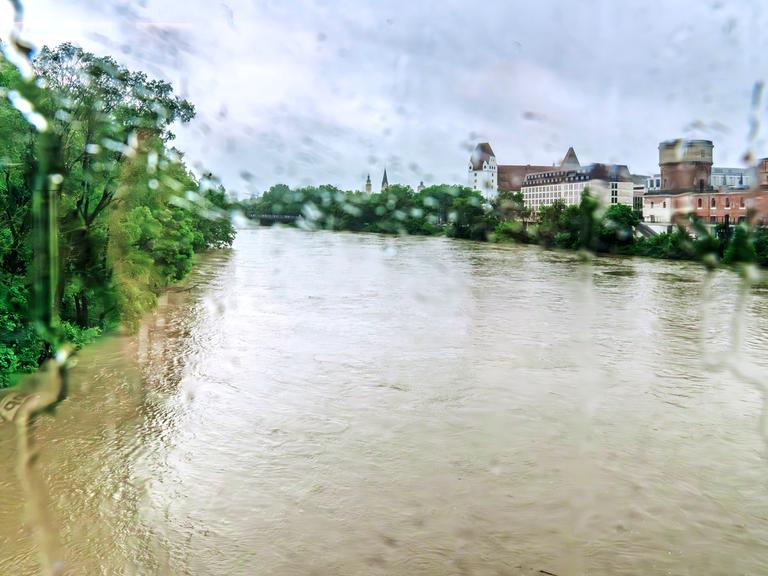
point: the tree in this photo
(549, 222)
(126, 214)
(617, 228)
(468, 219)
(101, 110)
(741, 248)
(510, 206)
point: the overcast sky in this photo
(326, 91)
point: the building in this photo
(690, 186)
(762, 174)
(610, 183)
(731, 178)
(488, 177)
(712, 207)
(653, 183)
(483, 171)
(657, 209)
(368, 186)
(758, 200)
(420, 187)
(512, 176)
(638, 192)
(685, 165)
(384, 181)
(570, 160)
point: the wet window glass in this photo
(312, 287)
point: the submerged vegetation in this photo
(129, 214)
(460, 212)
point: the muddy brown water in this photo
(331, 403)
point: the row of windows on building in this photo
(552, 195)
(538, 178)
(714, 220)
(713, 203)
(553, 188)
(715, 179)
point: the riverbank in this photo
(74, 339)
(460, 212)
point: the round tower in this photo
(685, 165)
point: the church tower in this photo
(368, 186)
(384, 181)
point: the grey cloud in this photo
(313, 90)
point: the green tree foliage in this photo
(510, 206)
(460, 212)
(676, 245)
(20, 346)
(761, 246)
(130, 213)
(614, 230)
(741, 248)
(452, 210)
(617, 228)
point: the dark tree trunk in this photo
(81, 309)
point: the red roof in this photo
(511, 176)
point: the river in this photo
(334, 403)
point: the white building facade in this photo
(657, 209)
(610, 184)
(653, 183)
(484, 171)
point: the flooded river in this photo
(341, 404)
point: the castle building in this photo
(483, 171)
(384, 181)
(488, 177)
(368, 186)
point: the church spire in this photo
(368, 185)
(384, 181)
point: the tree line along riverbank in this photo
(460, 212)
(91, 141)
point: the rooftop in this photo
(482, 153)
